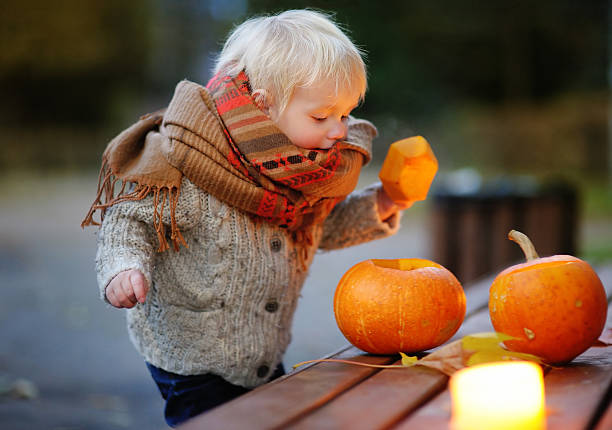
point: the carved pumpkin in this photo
(408, 170)
(402, 305)
(555, 306)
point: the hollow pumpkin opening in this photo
(404, 263)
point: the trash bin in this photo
(470, 229)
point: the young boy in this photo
(247, 178)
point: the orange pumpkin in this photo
(408, 170)
(401, 305)
(555, 306)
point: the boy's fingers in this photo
(124, 300)
(127, 290)
(110, 295)
(120, 297)
(139, 283)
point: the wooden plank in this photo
(285, 400)
(575, 392)
(378, 402)
(434, 415)
(477, 323)
(578, 393)
(605, 423)
(477, 295)
(477, 299)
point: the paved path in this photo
(56, 334)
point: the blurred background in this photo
(513, 97)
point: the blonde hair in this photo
(296, 48)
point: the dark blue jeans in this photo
(188, 396)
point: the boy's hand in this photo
(386, 205)
(127, 288)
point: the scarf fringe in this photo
(304, 239)
(107, 182)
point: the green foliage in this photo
(51, 38)
(61, 60)
(598, 199)
(485, 82)
(424, 55)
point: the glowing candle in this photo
(498, 396)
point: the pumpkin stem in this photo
(525, 244)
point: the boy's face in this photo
(315, 117)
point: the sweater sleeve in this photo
(355, 220)
(128, 240)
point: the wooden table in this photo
(340, 396)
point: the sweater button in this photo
(262, 371)
(276, 244)
(272, 306)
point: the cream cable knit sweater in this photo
(224, 304)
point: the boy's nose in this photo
(338, 131)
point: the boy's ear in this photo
(263, 100)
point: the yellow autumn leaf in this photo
(487, 347)
(408, 360)
(484, 341)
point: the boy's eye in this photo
(317, 118)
